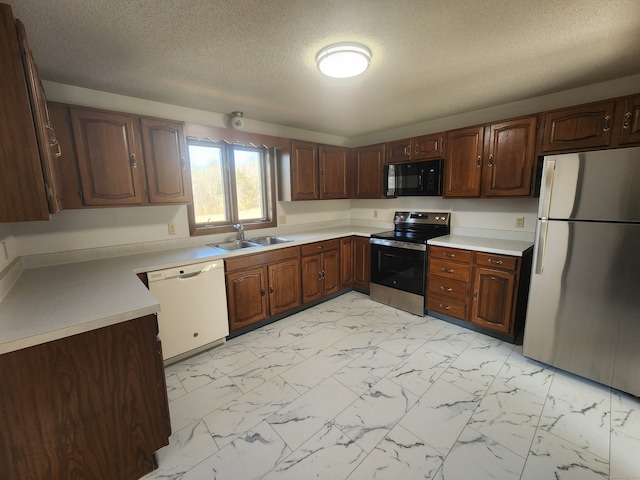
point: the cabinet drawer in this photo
(319, 247)
(255, 259)
(496, 261)
(447, 288)
(452, 254)
(447, 306)
(448, 269)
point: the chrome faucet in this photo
(240, 228)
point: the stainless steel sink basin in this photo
(236, 245)
(270, 240)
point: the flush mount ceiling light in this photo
(343, 60)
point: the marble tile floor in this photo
(352, 389)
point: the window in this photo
(231, 184)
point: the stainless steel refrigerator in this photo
(583, 314)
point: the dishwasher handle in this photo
(189, 275)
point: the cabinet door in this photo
(630, 130)
(493, 296)
(333, 172)
(330, 272)
(311, 278)
(508, 170)
(362, 263)
(369, 168)
(47, 142)
(578, 128)
(67, 162)
(304, 171)
(165, 161)
(23, 195)
(346, 261)
(284, 286)
(246, 297)
(398, 151)
(108, 157)
(427, 147)
(463, 162)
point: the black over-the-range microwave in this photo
(413, 179)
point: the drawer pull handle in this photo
(607, 123)
(479, 161)
(446, 307)
(448, 270)
(446, 289)
(495, 262)
(475, 294)
(447, 254)
(627, 121)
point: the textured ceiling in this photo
(430, 58)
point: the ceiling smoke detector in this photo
(237, 120)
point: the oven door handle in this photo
(398, 244)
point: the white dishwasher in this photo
(193, 307)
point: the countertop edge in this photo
(514, 248)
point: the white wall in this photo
(494, 217)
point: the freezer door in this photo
(602, 185)
(583, 313)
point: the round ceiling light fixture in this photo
(343, 60)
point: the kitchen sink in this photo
(270, 240)
(236, 245)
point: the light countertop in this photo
(48, 303)
(483, 244)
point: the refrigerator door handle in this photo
(543, 227)
(547, 186)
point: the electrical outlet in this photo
(282, 219)
(172, 229)
(375, 214)
(519, 222)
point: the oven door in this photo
(399, 265)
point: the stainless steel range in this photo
(399, 259)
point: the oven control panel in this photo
(424, 218)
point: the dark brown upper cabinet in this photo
(424, 147)
(29, 178)
(493, 160)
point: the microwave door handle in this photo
(421, 180)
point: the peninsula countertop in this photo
(53, 302)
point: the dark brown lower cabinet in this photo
(262, 285)
(486, 290)
(361, 263)
(89, 406)
(320, 270)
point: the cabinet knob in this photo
(475, 294)
(446, 289)
(607, 123)
(446, 307)
(626, 124)
(270, 289)
(490, 161)
(479, 161)
(132, 160)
